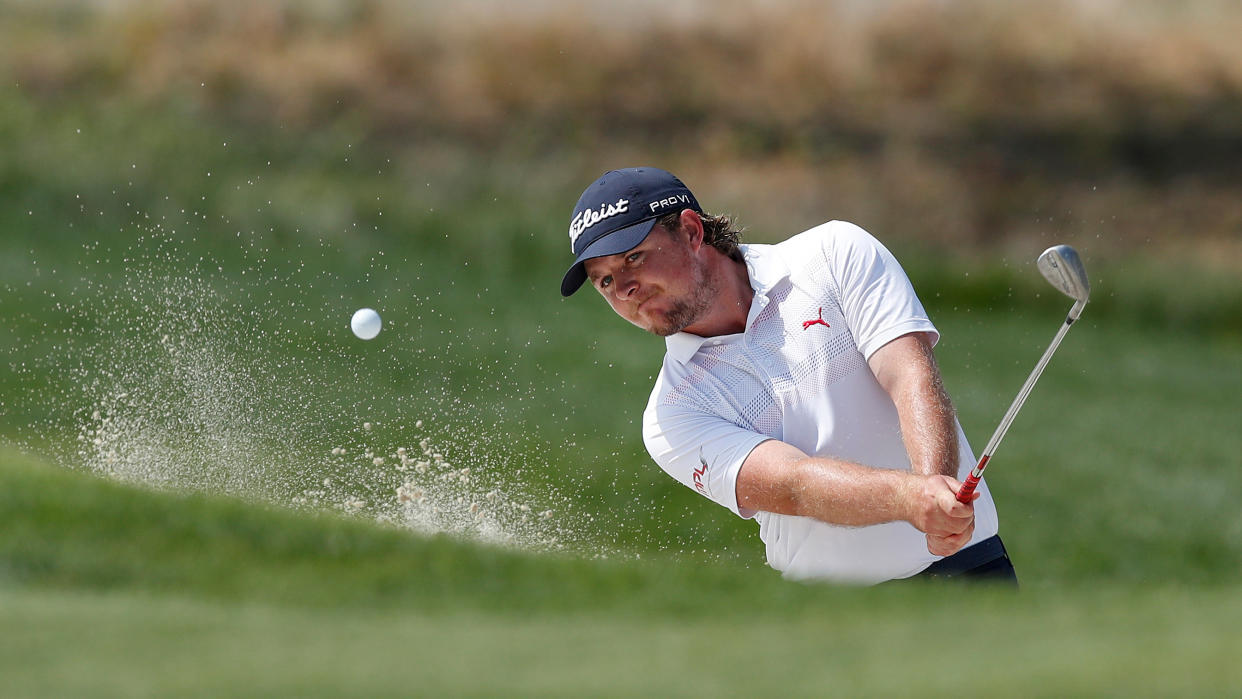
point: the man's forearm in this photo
(849, 494)
(780, 478)
(929, 428)
(840, 492)
(907, 370)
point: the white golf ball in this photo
(365, 323)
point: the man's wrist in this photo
(937, 467)
(906, 497)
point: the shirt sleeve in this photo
(877, 297)
(704, 452)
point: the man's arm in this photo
(907, 370)
(778, 477)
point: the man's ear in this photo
(692, 225)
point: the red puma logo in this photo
(818, 321)
(699, 473)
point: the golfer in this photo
(799, 388)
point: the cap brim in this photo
(618, 241)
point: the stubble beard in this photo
(688, 309)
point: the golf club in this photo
(1063, 269)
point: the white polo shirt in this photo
(825, 300)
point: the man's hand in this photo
(936, 512)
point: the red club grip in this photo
(968, 489)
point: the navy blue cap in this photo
(617, 212)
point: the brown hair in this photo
(719, 231)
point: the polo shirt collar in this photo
(766, 269)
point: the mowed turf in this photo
(107, 590)
(1117, 489)
(1167, 643)
(1117, 486)
(1124, 463)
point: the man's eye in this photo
(605, 282)
(633, 257)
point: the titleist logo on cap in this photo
(617, 211)
(590, 217)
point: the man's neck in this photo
(728, 315)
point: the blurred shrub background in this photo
(969, 125)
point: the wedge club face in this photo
(1063, 269)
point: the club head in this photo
(1061, 267)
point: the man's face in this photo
(661, 285)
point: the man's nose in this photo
(627, 286)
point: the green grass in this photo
(249, 243)
(1119, 465)
(68, 530)
(111, 591)
(1151, 644)
(508, 376)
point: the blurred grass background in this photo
(250, 173)
(970, 128)
(964, 121)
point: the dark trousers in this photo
(986, 561)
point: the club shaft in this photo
(988, 451)
(1027, 387)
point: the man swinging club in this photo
(799, 386)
